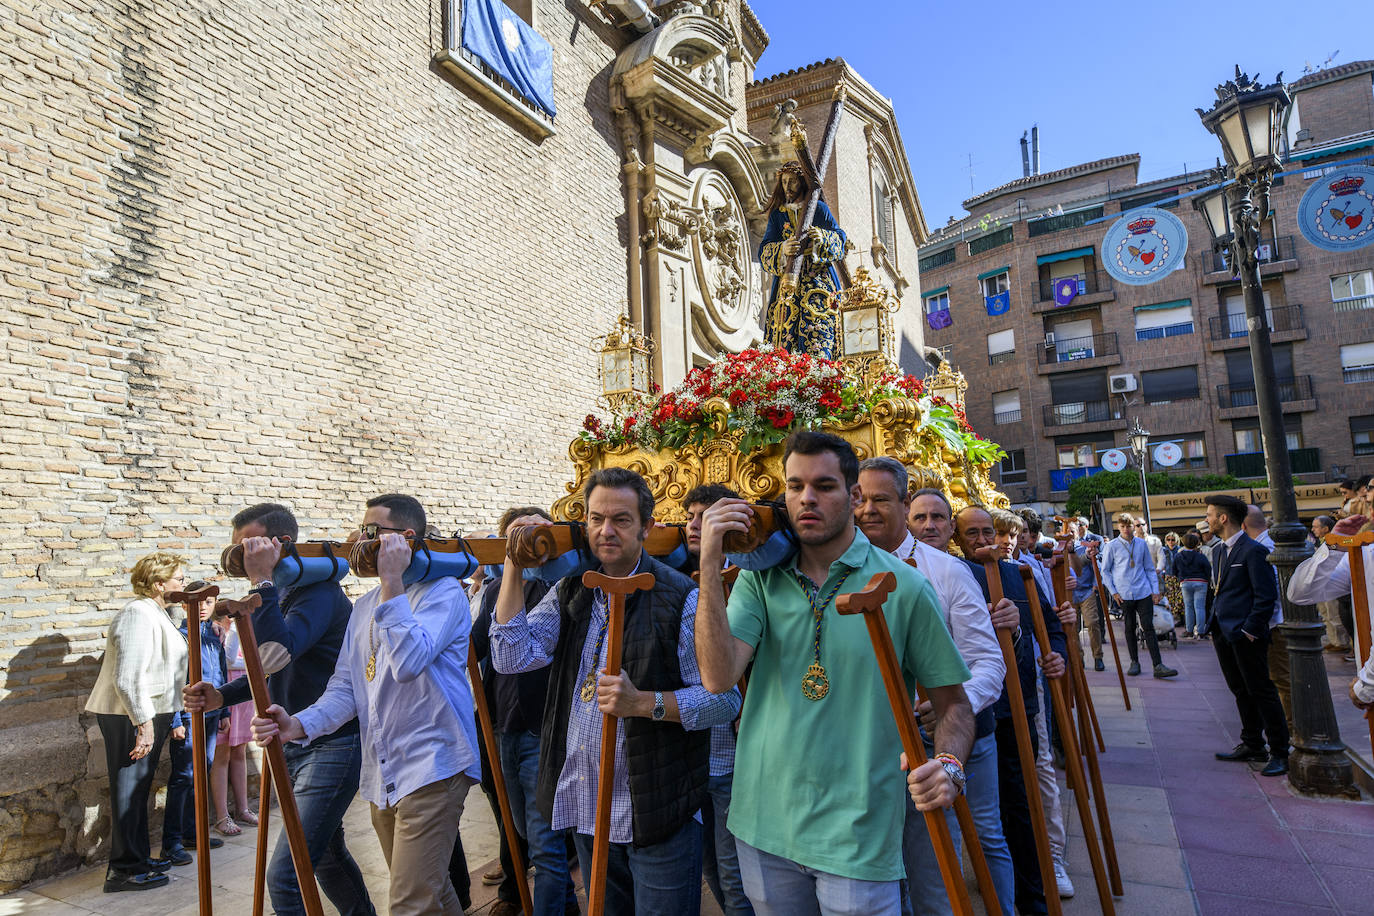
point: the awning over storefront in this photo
(1182, 510)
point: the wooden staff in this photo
(1059, 576)
(816, 171)
(615, 589)
(986, 888)
(498, 779)
(869, 603)
(192, 601)
(1077, 781)
(1353, 545)
(260, 853)
(1086, 714)
(1103, 608)
(1025, 750)
(242, 612)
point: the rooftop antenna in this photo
(971, 189)
(1025, 156)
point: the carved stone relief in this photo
(722, 253)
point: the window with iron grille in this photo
(937, 259)
(1362, 434)
(990, 241)
(1074, 220)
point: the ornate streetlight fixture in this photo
(1246, 119)
(1140, 449)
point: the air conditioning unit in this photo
(1049, 339)
(1121, 384)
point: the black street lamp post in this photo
(1140, 444)
(1246, 119)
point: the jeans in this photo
(1141, 611)
(663, 879)
(130, 781)
(925, 889)
(780, 887)
(548, 851)
(719, 860)
(324, 779)
(180, 816)
(1194, 607)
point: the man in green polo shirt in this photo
(818, 809)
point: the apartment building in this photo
(1064, 357)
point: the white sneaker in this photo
(1061, 878)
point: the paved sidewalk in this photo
(1193, 835)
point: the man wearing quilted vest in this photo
(664, 714)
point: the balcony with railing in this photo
(1357, 374)
(1286, 323)
(1359, 303)
(997, 359)
(1276, 255)
(1079, 353)
(1094, 287)
(1168, 330)
(1082, 412)
(1006, 416)
(1251, 464)
(1241, 400)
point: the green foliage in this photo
(1084, 491)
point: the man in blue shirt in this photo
(402, 673)
(299, 633)
(1128, 572)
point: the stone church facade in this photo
(310, 252)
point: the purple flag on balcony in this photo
(938, 320)
(1065, 288)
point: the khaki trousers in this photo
(1088, 613)
(1279, 671)
(417, 836)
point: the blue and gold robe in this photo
(807, 323)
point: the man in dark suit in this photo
(1245, 596)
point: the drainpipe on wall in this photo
(637, 12)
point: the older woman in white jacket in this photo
(136, 693)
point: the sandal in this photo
(227, 827)
(247, 818)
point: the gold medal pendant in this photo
(815, 685)
(588, 692)
(370, 671)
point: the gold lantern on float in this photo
(624, 367)
(866, 334)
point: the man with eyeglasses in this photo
(1129, 573)
(300, 632)
(402, 673)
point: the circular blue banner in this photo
(1337, 212)
(1144, 246)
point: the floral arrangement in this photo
(771, 393)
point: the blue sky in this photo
(1100, 78)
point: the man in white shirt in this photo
(1325, 576)
(1152, 542)
(402, 671)
(881, 516)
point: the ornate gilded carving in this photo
(894, 428)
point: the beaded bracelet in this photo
(952, 759)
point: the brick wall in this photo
(264, 251)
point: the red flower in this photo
(831, 401)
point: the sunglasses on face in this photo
(370, 532)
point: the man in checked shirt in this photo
(664, 715)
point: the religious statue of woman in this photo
(800, 320)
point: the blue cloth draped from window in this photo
(508, 45)
(999, 304)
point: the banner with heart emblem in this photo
(1145, 245)
(1337, 212)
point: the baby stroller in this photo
(1164, 628)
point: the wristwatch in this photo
(659, 711)
(265, 583)
(956, 774)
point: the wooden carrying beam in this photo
(498, 778)
(200, 787)
(869, 602)
(242, 612)
(616, 590)
(1077, 782)
(1025, 751)
(1354, 545)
